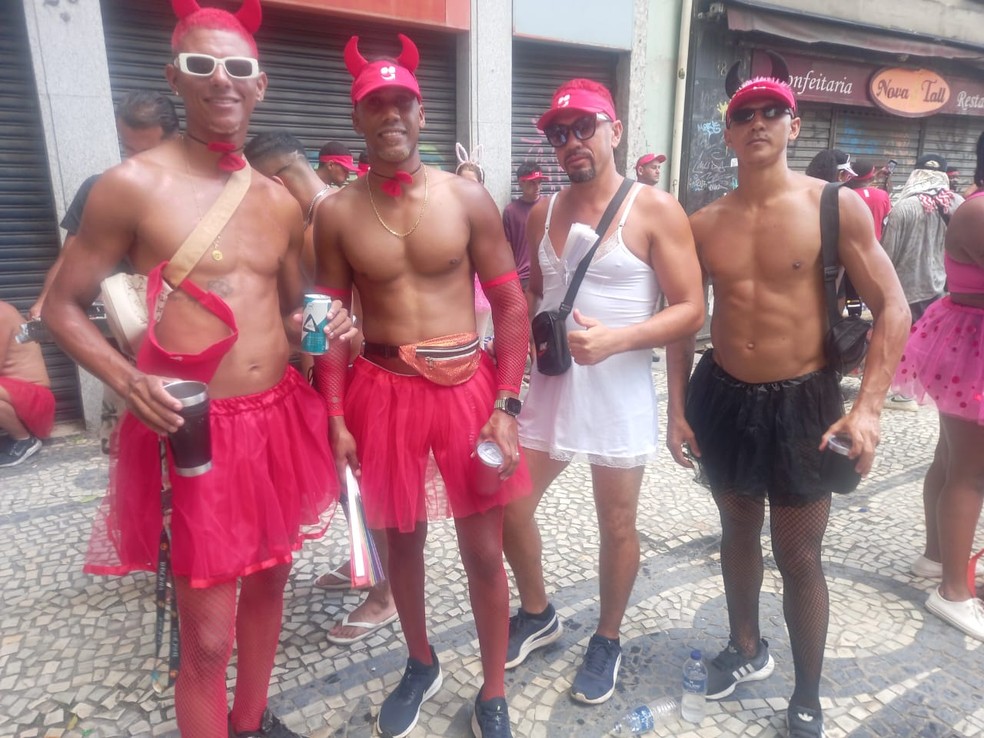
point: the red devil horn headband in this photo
(249, 14)
(779, 72)
(409, 56)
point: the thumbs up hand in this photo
(592, 345)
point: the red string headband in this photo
(369, 76)
(245, 22)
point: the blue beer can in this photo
(314, 320)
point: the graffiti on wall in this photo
(710, 173)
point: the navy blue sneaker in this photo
(528, 633)
(491, 718)
(401, 709)
(595, 680)
(17, 452)
(730, 668)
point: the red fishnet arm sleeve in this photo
(331, 368)
(512, 329)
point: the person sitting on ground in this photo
(942, 361)
(27, 406)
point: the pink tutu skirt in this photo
(399, 421)
(272, 485)
(944, 360)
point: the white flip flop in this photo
(340, 573)
(369, 629)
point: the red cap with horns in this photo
(245, 22)
(370, 76)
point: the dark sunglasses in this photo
(204, 65)
(583, 128)
(770, 112)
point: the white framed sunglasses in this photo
(204, 65)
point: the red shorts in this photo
(33, 403)
(272, 485)
(398, 421)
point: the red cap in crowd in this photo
(345, 161)
(646, 158)
(582, 95)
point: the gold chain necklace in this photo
(420, 215)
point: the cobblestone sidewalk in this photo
(76, 651)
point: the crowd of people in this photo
(408, 391)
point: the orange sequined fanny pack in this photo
(446, 360)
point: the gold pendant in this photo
(216, 255)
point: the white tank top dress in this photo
(606, 413)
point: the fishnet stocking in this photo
(258, 622)
(797, 535)
(205, 618)
(741, 566)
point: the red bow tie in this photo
(230, 161)
(393, 186)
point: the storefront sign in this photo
(911, 93)
(821, 80)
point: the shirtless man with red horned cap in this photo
(272, 479)
(409, 238)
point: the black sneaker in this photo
(400, 710)
(730, 668)
(20, 451)
(491, 718)
(270, 727)
(595, 680)
(530, 632)
(804, 722)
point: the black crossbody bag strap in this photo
(829, 238)
(606, 219)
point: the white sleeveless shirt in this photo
(604, 413)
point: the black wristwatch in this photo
(509, 405)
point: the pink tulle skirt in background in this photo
(944, 360)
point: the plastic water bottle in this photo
(646, 717)
(693, 703)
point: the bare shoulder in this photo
(658, 204)
(274, 196)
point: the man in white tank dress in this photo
(603, 409)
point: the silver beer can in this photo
(490, 453)
(314, 320)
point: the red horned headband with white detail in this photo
(245, 21)
(369, 76)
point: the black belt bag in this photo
(549, 327)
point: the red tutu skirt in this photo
(944, 360)
(399, 421)
(272, 485)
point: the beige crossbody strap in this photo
(209, 227)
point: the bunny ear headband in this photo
(464, 158)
